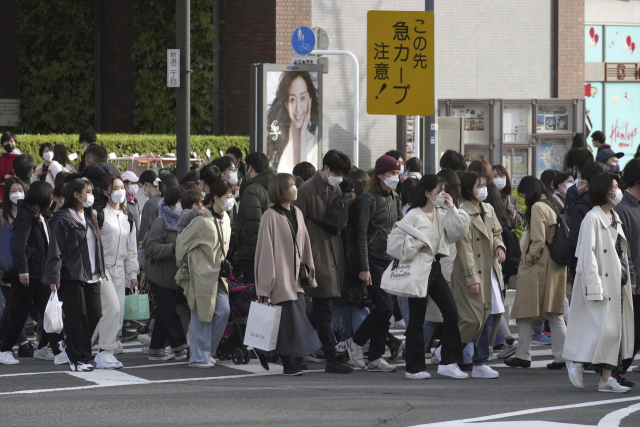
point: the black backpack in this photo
(560, 243)
(100, 218)
(336, 216)
(513, 252)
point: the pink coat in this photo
(276, 274)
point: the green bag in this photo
(136, 307)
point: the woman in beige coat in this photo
(541, 281)
(477, 276)
(601, 329)
(277, 271)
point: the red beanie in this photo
(385, 164)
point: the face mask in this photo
(335, 180)
(48, 156)
(482, 194)
(618, 197)
(438, 200)
(564, 188)
(228, 204)
(401, 168)
(582, 185)
(133, 189)
(178, 207)
(614, 169)
(9, 148)
(118, 196)
(144, 191)
(294, 192)
(233, 178)
(14, 197)
(89, 201)
(247, 173)
(237, 193)
(500, 182)
(392, 181)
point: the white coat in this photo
(53, 170)
(119, 241)
(599, 328)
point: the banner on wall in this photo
(622, 118)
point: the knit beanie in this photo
(386, 164)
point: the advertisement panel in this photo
(622, 118)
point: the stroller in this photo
(232, 346)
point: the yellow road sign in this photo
(400, 63)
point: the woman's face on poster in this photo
(298, 103)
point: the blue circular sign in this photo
(303, 40)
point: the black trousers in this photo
(7, 291)
(82, 312)
(322, 309)
(375, 326)
(21, 299)
(168, 326)
(636, 323)
(441, 294)
(248, 273)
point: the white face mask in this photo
(481, 194)
(48, 156)
(401, 168)
(618, 197)
(237, 193)
(228, 204)
(582, 185)
(233, 178)
(133, 189)
(89, 201)
(118, 196)
(144, 191)
(334, 180)
(500, 182)
(178, 207)
(14, 197)
(392, 181)
(294, 193)
(438, 200)
(565, 187)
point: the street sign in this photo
(304, 60)
(303, 40)
(400, 63)
(173, 67)
(322, 38)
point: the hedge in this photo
(128, 144)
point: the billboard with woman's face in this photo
(291, 114)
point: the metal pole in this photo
(356, 96)
(215, 128)
(429, 147)
(97, 68)
(183, 101)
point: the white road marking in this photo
(108, 377)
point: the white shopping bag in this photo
(262, 326)
(53, 315)
(408, 279)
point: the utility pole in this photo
(429, 148)
(183, 101)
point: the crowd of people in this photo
(318, 243)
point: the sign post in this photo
(173, 67)
(303, 40)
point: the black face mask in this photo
(9, 148)
(614, 170)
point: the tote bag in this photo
(136, 307)
(408, 279)
(262, 326)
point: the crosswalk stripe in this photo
(108, 377)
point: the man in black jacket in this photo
(576, 159)
(254, 203)
(98, 166)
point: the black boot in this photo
(335, 365)
(289, 368)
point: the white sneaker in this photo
(612, 386)
(418, 376)
(212, 360)
(145, 339)
(356, 353)
(484, 371)
(119, 349)
(400, 324)
(508, 350)
(453, 371)
(45, 353)
(6, 358)
(106, 360)
(86, 366)
(80, 367)
(202, 365)
(61, 358)
(380, 365)
(575, 370)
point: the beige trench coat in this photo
(475, 258)
(541, 282)
(601, 322)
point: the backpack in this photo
(513, 252)
(100, 218)
(336, 216)
(560, 243)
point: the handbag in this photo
(225, 265)
(6, 258)
(408, 279)
(263, 325)
(305, 271)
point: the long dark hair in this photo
(482, 167)
(533, 189)
(495, 200)
(6, 202)
(278, 114)
(61, 155)
(427, 183)
(149, 177)
(453, 185)
(503, 171)
(467, 183)
(76, 185)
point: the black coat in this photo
(68, 255)
(580, 209)
(29, 244)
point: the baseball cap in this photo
(129, 176)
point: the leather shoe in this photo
(557, 365)
(514, 362)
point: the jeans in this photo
(481, 351)
(322, 315)
(21, 299)
(403, 303)
(441, 294)
(352, 317)
(82, 311)
(248, 273)
(204, 337)
(467, 353)
(376, 325)
(167, 326)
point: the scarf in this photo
(169, 216)
(130, 197)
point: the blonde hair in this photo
(279, 185)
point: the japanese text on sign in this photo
(400, 63)
(173, 67)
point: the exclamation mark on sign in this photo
(384, 86)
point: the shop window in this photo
(516, 123)
(593, 43)
(554, 118)
(476, 121)
(621, 43)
